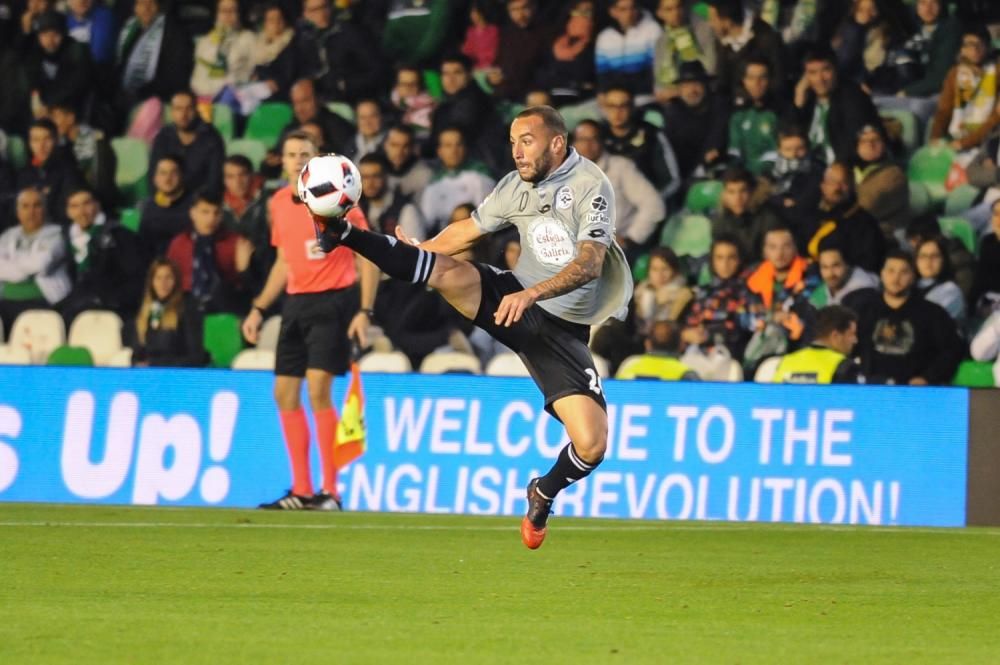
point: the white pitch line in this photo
(664, 527)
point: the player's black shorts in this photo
(554, 350)
(314, 332)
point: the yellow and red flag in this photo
(349, 443)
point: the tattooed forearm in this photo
(584, 268)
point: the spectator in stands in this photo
(482, 37)
(59, 68)
(93, 24)
(719, 315)
(523, 42)
(683, 40)
(662, 345)
(736, 218)
(638, 207)
(827, 358)
(168, 330)
(741, 35)
(165, 213)
(881, 185)
(780, 287)
(197, 143)
(840, 278)
(241, 187)
(753, 125)
(792, 186)
(386, 208)
(624, 50)
(52, 173)
(864, 39)
(306, 107)
(985, 346)
(26, 32)
(471, 110)
(274, 61)
(963, 262)
(695, 121)
(567, 70)
(967, 109)
(338, 55)
(89, 148)
(211, 258)
(628, 135)
(903, 338)
(840, 217)
(371, 131)
(835, 110)
(412, 104)
(936, 279)
(456, 181)
(33, 261)
(983, 174)
(407, 171)
(106, 262)
(985, 295)
(245, 212)
(153, 57)
(224, 57)
(922, 64)
(416, 30)
(796, 23)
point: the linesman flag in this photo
(349, 443)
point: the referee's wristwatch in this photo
(369, 312)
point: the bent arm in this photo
(455, 238)
(275, 284)
(585, 268)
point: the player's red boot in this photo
(533, 527)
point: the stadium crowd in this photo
(793, 177)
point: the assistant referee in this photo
(320, 314)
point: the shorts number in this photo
(595, 381)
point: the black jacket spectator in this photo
(696, 131)
(161, 220)
(850, 110)
(58, 66)
(201, 159)
(179, 347)
(766, 44)
(55, 176)
(851, 228)
(987, 276)
(175, 60)
(107, 274)
(521, 50)
(342, 59)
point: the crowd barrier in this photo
(466, 444)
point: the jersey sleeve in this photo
(595, 213)
(491, 215)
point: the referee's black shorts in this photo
(314, 332)
(554, 350)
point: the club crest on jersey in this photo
(599, 203)
(564, 198)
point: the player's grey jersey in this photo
(575, 203)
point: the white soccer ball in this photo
(330, 185)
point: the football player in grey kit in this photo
(571, 275)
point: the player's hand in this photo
(251, 325)
(512, 308)
(402, 237)
(358, 329)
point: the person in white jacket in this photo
(456, 181)
(33, 261)
(985, 345)
(223, 56)
(638, 205)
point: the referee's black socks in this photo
(568, 469)
(396, 259)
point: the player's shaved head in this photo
(551, 119)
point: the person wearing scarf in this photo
(224, 56)
(680, 42)
(967, 110)
(154, 55)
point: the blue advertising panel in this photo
(465, 444)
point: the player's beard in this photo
(542, 167)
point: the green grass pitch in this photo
(131, 585)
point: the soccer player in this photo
(318, 317)
(571, 274)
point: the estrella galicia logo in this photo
(597, 233)
(599, 203)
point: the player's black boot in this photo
(289, 502)
(533, 527)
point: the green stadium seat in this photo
(700, 9)
(929, 166)
(959, 227)
(267, 122)
(70, 356)
(223, 339)
(974, 374)
(640, 268)
(432, 83)
(654, 117)
(130, 219)
(910, 127)
(252, 149)
(17, 152)
(130, 173)
(960, 199)
(484, 84)
(688, 235)
(222, 120)
(920, 199)
(343, 110)
(703, 196)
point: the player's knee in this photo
(286, 396)
(592, 444)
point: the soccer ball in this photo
(329, 185)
